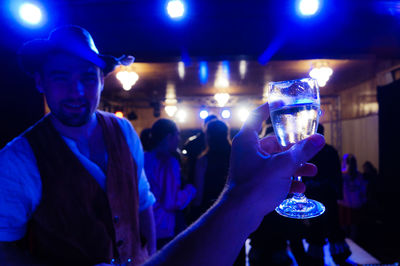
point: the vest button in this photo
(116, 219)
(120, 243)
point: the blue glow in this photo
(30, 13)
(203, 72)
(203, 114)
(308, 7)
(175, 9)
(225, 69)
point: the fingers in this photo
(307, 169)
(297, 187)
(256, 118)
(293, 159)
(270, 145)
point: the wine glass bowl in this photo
(295, 109)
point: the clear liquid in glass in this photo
(296, 122)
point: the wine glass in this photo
(295, 108)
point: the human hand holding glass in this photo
(295, 108)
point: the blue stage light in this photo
(30, 13)
(203, 72)
(203, 114)
(175, 9)
(308, 7)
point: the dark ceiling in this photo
(222, 29)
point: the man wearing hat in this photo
(72, 187)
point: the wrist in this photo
(248, 202)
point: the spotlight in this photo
(30, 13)
(203, 114)
(243, 114)
(175, 9)
(181, 69)
(181, 115)
(225, 113)
(203, 72)
(308, 7)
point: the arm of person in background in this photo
(200, 170)
(148, 229)
(258, 182)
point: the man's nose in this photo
(77, 88)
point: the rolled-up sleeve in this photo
(20, 189)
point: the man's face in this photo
(72, 87)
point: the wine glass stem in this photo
(298, 196)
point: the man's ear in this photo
(39, 82)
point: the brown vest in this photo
(77, 221)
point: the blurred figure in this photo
(193, 146)
(354, 196)
(163, 172)
(325, 187)
(212, 166)
(370, 175)
(212, 169)
(145, 139)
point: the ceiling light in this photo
(30, 13)
(321, 74)
(127, 79)
(308, 7)
(175, 8)
(181, 70)
(222, 98)
(170, 110)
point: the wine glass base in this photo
(300, 209)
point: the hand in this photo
(260, 173)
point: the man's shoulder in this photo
(16, 145)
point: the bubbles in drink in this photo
(293, 123)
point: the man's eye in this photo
(60, 78)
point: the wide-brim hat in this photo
(69, 39)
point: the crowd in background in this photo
(186, 185)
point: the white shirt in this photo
(21, 187)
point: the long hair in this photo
(351, 165)
(160, 129)
(217, 137)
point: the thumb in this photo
(299, 153)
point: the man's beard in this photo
(74, 119)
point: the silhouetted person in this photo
(354, 196)
(145, 139)
(370, 175)
(193, 146)
(212, 170)
(325, 187)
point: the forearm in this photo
(147, 229)
(215, 239)
(10, 254)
